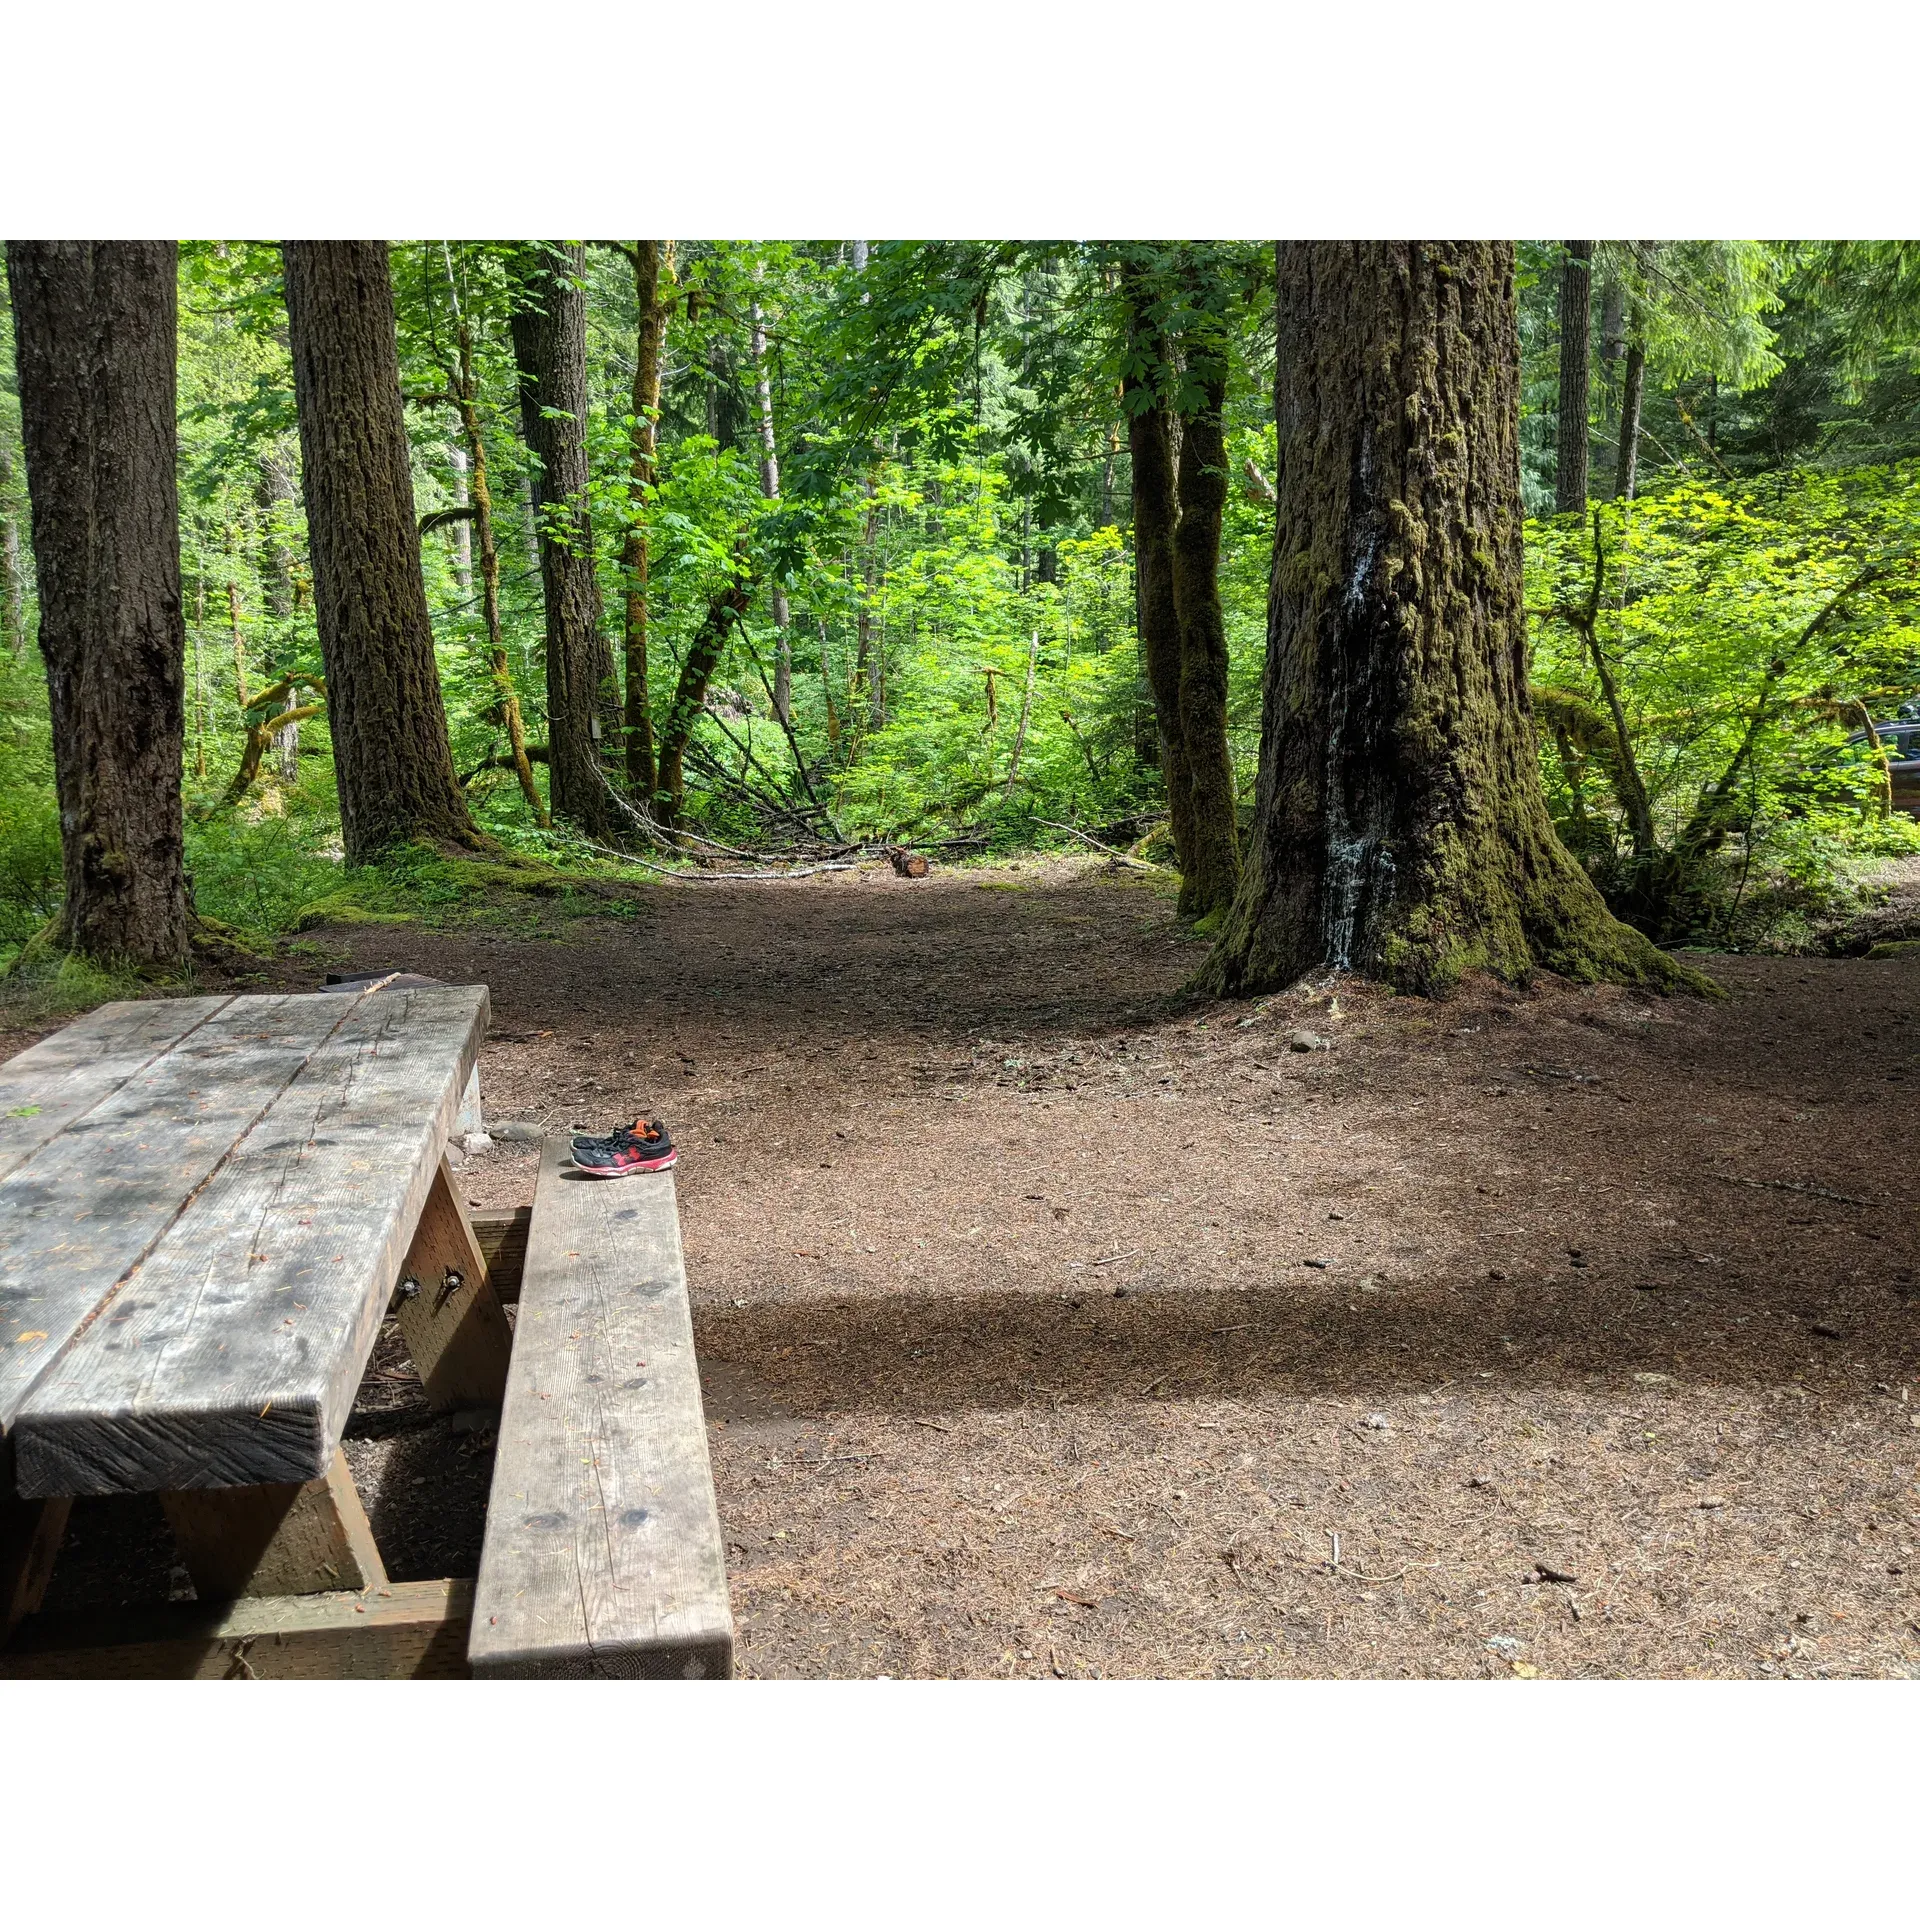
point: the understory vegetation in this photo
(895, 484)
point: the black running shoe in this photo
(640, 1148)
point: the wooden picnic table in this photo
(205, 1207)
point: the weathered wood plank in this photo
(311, 1538)
(232, 1356)
(416, 1630)
(455, 1332)
(603, 1554)
(44, 1090)
(96, 1199)
(502, 1234)
(30, 1536)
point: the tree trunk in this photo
(199, 680)
(770, 486)
(1156, 613)
(384, 707)
(690, 695)
(1207, 882)
(1401, 828)
(13, 609)
(276, 577)
(462, 530)
(95, 326)
(871, 643)
(652, 260)
(1576, 302)
(584, 720)
(1627, 472)
(464, 392)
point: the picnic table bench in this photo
(207, 1208)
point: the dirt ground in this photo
(1050, 1326)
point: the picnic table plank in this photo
(603, 1553)
(96, 1198)
(415, 1630)
(44, 1090)
(232, 1356)
(250, 1541)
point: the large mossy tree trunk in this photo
(585, 725)
(95, 329)
(1400, 825)
(384, 705)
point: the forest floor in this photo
(1050, 1325)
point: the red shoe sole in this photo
(620, 1173)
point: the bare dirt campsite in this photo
(1050, 1324)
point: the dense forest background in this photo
(861, 519)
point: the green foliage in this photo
(955, 505)
(1749, 629)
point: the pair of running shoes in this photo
(642, 1147)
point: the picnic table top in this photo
(203, 1208)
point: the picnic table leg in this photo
(455, 1328)
(30, 1536)
(310, 1537)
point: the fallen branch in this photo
(1112, 853)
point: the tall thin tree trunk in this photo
(652, 263)
(1026, 711)
(466, 399)
(276, 576)
(13, 607)
(870, 643)
(384, 707)
(770, 486)
(1401, 828)
(1106, 473)
(199, 680)
(1157, 617)
(1208, 881)
(826, 687)
(703, 656)
(462, 530)
(529, 526)
(95, 330)
(867, 655)
(242, 694)
(1627, 471)
(1576, 305)
(584, 720)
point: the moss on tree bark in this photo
(95, 335)
(1400, 826)
(384, 705)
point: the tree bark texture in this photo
(1179, 498)
(13, 608)
(584, 720)
(95, 328)
(1208, 880)
(1400, 828)
(1576, 306)
(1626, 473)
(652, 262)
(384, 706)
(276, 580)
(1156, 615)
